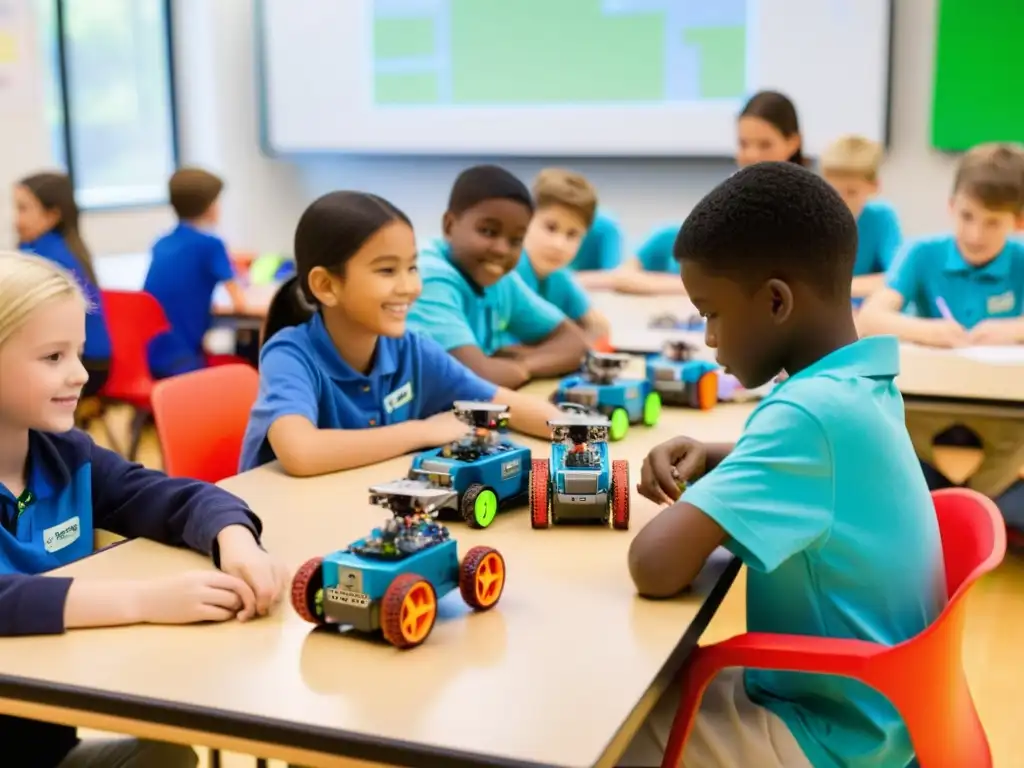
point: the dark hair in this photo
(778, 110)
(486, 182)
(55, 191)
(329, 233)
(773, 220)
(192, 191)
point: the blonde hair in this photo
(993, 174)
(27, 282)
(853, 155)
(557, 186)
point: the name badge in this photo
(398, 398)
(62, 535)
(1004, 302)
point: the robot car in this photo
(667, 321)
(579, 482)
(478, 473)
(682, 380)
(393, 579)
(599, 388)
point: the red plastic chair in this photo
(134, 318)
(201, 418)
(923, 677)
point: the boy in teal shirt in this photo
(475, 304)
(767, 258)
(967, 289)
(566, 204)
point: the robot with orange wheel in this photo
(393, 579)
(579, 482)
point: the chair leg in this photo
(139, 421)
(214, 758)
(261, 762)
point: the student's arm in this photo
(503, 371)
(653, 270)
(769, 499)
(595, 325)
(554, 345)
(528, 414)
(637, 282)
(576, 304)
(608, 242)
(237, 295)
(222, 271)
(889, 240)
(865, 285)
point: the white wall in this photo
(218, 110)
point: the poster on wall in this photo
(13, 32)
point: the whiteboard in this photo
(564, 77)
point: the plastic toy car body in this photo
(579, 482)
(682, 380)
(479, 473)
(393, 579)
(599, 388)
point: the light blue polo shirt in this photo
(929, 269)
(601, 247)
(824, 500)
(655, 253)
(302, 374)
(878, 238)
(457, 313)
(559, 288)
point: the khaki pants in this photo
(1002, 442)
(730, 731)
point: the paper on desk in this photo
(1008, 355)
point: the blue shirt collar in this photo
(384, 357)
(873, 357)
(527, 272)
(997, 269)
(46, 242)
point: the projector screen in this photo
(564, 77)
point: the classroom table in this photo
(560, 673)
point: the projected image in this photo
(482, 53)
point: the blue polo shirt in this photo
(933, 268)
(97, 338)
(601, 247)
(829, 554)
(186, 267)
(655, 253)
(558, 288)
(302, 374)
(457, 313)
(878, 238)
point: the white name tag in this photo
(62, 535)
(1004, 302)
(398, 398)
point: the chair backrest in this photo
(973, 537)
(134, 318)
(201, 419)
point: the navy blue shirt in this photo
(186, 267)
(76, 487)
(97, 338)
(302, 374)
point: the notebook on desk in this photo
(1008, 355)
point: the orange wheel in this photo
(620, 494)
(308, 591)
(707, 391)
(482, 578)
(408, 611)
(540, 504)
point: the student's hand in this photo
(631, 282)
(946, 334)
(996, 332)
(242, 557)
(193, 597)
(669, 466)
(442, 428)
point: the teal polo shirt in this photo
(601, 247)
(455, 312)
(824, 500)
(302, 374)
(933, 268)
(878, 238)
(655, 253)
(559, 288)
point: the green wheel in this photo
(652, 409)
(620, 424)
(479, 506)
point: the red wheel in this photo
(408, 611)
(540, 504)
(620, 494)
(308, 591)
(482, 578)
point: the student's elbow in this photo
(291, 448)
(878, 309)
(648, 576)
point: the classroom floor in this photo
(992, 648)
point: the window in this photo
(110, 97)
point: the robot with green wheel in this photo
(600, 388)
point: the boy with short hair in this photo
(475, 304)
(566, 204)
(767, 258)
(187, 265)
(968, 289)
(851, 165)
